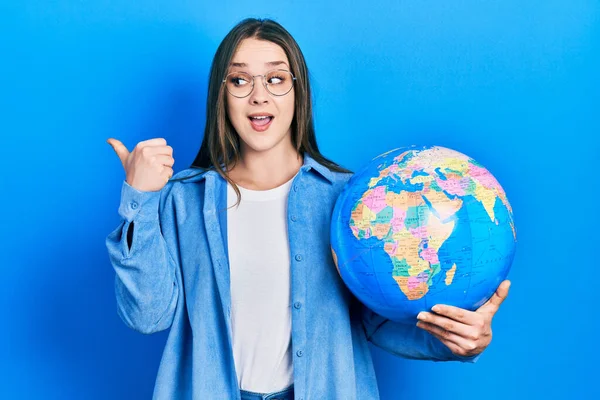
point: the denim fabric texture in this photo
(176, 276)
(286, 394)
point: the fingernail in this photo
(421, 316)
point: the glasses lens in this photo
(239, 84)
(279, 82)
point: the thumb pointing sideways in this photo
(120, 149)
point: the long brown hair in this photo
(221, 144)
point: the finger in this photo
(458, 314)
(437, 332)
(447, 324)
(454, 347)
(165, 160)
(497, 298)
(166, 150)
(120, 149)
(167, 173)
(153, 142)
(157, 150)
(464, 343)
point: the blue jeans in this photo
(286, 394)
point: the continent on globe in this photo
(421, 226)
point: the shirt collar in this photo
(311, 163)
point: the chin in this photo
(263, 141)
(261, 145)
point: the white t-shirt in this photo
(259, 261)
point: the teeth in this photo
(263, 117)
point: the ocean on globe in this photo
(419, 226)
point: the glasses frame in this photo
(264, 81)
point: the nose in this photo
(259, 94)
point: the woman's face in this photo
(247, 114)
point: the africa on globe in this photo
(419, 226)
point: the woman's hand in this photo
(466, 333)
(149, 166)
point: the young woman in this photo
(233, 253)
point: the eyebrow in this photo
(269, 64)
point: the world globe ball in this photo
(419, 226)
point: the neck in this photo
(266, 170)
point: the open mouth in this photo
(260, 122)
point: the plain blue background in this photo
(513, 84)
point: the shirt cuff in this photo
(468, 359)
(137, 204)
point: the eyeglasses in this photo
(278, 82)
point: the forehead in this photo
(257, 53)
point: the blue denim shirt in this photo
(176, 275)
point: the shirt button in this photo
(295, 188)
(299, 353)
(293, 218)
(133, 205)
(297, 305)
(298, 257)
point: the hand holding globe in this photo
(465, 332)
(419, 227)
